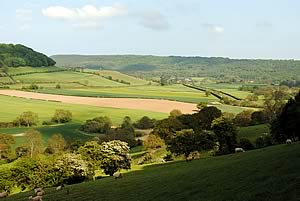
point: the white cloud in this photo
(86, 16)
(154, 20)
(212, 28)
(24, 14)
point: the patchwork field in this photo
(174, 92)
(112, 84)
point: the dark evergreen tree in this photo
(286, 125)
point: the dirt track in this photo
(129, 103)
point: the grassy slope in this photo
(18, 70)
(68, 76)
(253, 132)
(270, 174)
(41, 76)
(120, 76)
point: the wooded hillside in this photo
(19, 55)
(216, 67)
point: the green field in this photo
(12, 107)
(88, 78)
(5, 80)
(173, 92)
(253, 132)
(120, 76)
(20, 70)
(67, 76)
(269, 174)
(69, 131)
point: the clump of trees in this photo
(101, 125)
(27, 119)
(145, 123)
(204, 130)
(20, 55)
(62, 116)
(56, 144)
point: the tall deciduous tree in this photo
(286, 125)
(5, 145)
(115, 156)
(62, 116)
(34, 141)
(56, 143)
(186, 141)
(27, 119)
(226, 133)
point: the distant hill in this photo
(19, 55)
(216, 67)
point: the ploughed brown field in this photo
(130, 103)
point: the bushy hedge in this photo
(28, 173)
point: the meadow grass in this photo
(268, 174)
(5, 80)
(11, 107)
(18, 70)
(67, 76)
(69, 131)
(120, 76)
(253, 132)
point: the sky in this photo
(228, 28)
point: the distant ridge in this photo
(221, 68)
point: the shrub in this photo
(47, 123)
(246, 144)
(243, 119)
(145, 123)
(62, 116)
(263, 141)
(168, 157)
(154, 142)
(97, 125)
(33, 87)
(147, 158)
(138, 134)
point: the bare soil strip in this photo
(155, 105)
